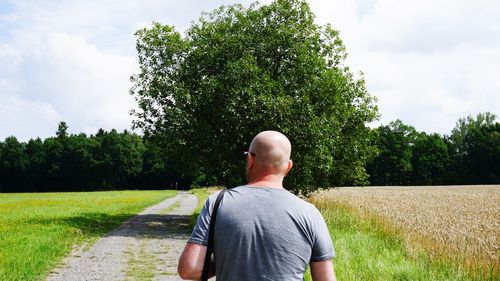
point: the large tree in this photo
(238, 71)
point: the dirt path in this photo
(146, 247)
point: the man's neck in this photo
(270, 181)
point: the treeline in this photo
(104, 161)
(469, 155)
(113, 160)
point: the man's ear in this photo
(289, 167)
(250, 161)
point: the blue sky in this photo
(428, 62)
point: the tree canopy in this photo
(475, 148)
(470, 155)
(113, 160)
(238, 71)
(104, 161)
(393, 164)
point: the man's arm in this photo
(322, 271)
(191, 262)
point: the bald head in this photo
(272, 150)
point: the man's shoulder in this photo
(247, 193)
(278, 195)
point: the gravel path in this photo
(146, 247)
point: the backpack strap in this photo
(210, 247)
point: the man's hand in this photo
(191, 261)
(322, 271)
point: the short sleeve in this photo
(200, 230)
(323, 247)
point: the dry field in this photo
(461, 223)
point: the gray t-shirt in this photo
(263, 234)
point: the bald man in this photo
(263, 232)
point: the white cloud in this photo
(73, 59)
(54, 66)
(428, 62)
(83, 85)
(25, 120)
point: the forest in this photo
(111, 160)
(469, 155)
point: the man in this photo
(263, 232)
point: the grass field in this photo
(414, 233)
(38, 229)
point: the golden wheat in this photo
(461, 223)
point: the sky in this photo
(428, 62)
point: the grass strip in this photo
(141, 265)
(38, 229)
(367, 248)
(202, 195)
(170, 208)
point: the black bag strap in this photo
(210, 247)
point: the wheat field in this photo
(457, 223)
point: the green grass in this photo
(38, 229)
(366, 249)
(141, 265)
(202, 194)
